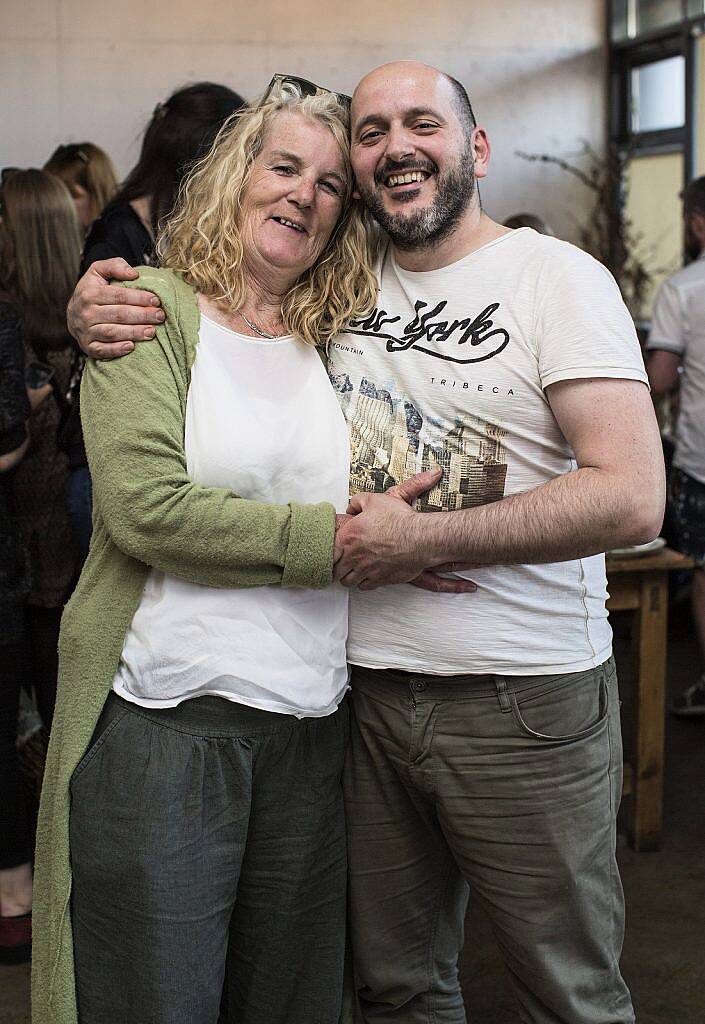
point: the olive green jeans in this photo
(506, 785)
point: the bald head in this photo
(403, 74)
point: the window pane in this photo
(620, 20)
(658, 95)
(696, 7)
(654, 13)
(654, 210)
(700, 106)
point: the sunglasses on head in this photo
(300, 87)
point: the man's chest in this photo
(425, 381)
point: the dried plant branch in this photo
(608, 233)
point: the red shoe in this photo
(16, 939)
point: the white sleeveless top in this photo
(262, 420)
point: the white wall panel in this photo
(73, 70)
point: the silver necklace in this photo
(256, 329)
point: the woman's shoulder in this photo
(117, 214)
(117, 232)
(115, 221)
(179, 301)
(176, 294)
(161, 277)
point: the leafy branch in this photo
(608, 234)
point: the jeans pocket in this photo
(110, 717)
(545, 706)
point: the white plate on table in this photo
(650, 548)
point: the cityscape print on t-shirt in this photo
(390, 441)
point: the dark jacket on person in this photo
(117, 232)
(39, 487)
(14, 413)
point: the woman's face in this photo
(83, 203)
(294, 198)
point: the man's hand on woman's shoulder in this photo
(106, 320)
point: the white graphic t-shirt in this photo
(450, 370)
(678, 325)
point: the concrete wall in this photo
(72, 70)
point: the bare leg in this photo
(16, 890)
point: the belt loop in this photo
(502, 695)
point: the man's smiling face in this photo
(412, 157)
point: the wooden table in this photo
(640, 585)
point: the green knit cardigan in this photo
(146, 513)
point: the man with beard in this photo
(677, 350)
(485, 747)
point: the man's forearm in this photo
(579, 514)
(616, 497)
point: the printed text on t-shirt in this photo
(428, 326)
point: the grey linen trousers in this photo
(204, 836)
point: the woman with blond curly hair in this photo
(192, 814)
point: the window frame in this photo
(679, 38)
(673, 40)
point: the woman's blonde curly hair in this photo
(203, 240)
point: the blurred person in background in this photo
(89, 175)
(676, 351)
(18, 401)
(529, 220)
(40, 248)
(180, 132)
(16, 405)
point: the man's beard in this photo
(425, 228)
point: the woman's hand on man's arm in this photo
(105, 320)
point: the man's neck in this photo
(474, 230)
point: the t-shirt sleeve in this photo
(667, 321)
(583, 328)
